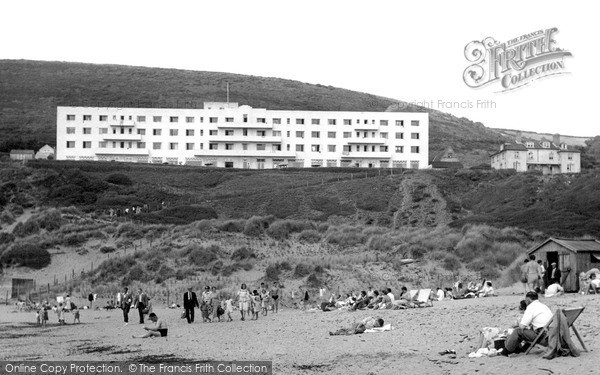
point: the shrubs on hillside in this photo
(282, 229)
(256, 225)
(119, 179)
(203, 255)
(309, 236)
(243, 253)
(26, 255)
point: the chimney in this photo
(518, 136)
(556, 140)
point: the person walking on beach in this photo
(190, 301)
(533, 273)
(125, 300)
(275, 296)
(207, 296)
(243, 297)
(265, 298)
(141, 303)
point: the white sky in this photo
(411, 51)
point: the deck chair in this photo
(423, 298)
(412, 294)
(571, 315)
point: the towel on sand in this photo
(386, 327)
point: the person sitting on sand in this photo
(362, 302)
(386, 301)
(594, 284)
(440, 294)
(487, 290)
(159, 330)
(375, 301)
(449, 294)
(554, 290)
(360, 327)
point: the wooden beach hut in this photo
(572, 257)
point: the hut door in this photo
(564, 265)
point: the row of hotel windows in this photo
(259, 133)
(230, 146)
(263, 120)
(530, 156)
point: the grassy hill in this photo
(31, 90)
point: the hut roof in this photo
(573, 245)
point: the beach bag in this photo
(145, 310)
(183, 315)
(220, 311)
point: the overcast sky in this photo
(413, 51)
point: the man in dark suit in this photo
(141, 302)
(189, 302)
(125, 299)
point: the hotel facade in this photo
(232, 136)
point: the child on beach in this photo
(60, 312)
(76, 315)
(265, 298)
(205, 312)
(255, 298)
(229, 309)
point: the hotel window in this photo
(201, 146)
(287, 134)
(87, 117)
(70, 117)
(276, 133)
(245, 132)
(399, 122)
(570, 157)
(229, 132)
(261, 120)
(141, 119)
(315, 121)
(189, 119)
(414, 135)
(228, 119)
(87, 130)
(141, 145)
(347, 134)
(244, 146)
(399, 149)
(156, 118)
(103, 118)
(315, 134)
(102, 144)
(399, 135)
(260, 146)
(156, 146)
(330, 134)
(414, 164)
(383, 122)
(261, 133)
(383, 135)
(288, 121)
(299, 121)
(347, 122)
(201, 120)
(70, 130)
(201, 132)
(300, 148)
(276, 147)
(299, 134)
(173, 132)
(103, 130)
(213, 120)
(213, 132)
(383, 148)
(173, 119)
(414, 149)
(245, 118)
(228, 146)
(173, 146)
(347, 149)
(189, 132)
(213, 146)
(189, 146)
(516, 155)
(70, 144)
(87, 144)
(141, 131)
(277, 121)
(414, 122)
(530, 155)
(551, 156)
(331, 121)
(331, 148)
(315, 148)
(545, 144)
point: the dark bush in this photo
(234, 226)
(119, 179)
(6, 238)
(313, 281)
(50, 220)
(272, 272)
(451, 262)
(26, 255)
(242, 253)
(138, 273)
(254, 226)
(166, 272)
(74, 240)
(201, 256)
(26, 229)
(309, 236)
(107, 249)
(302, 270)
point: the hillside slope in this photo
(31, 90)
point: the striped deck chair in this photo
(423, 298)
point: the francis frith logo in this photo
(514, 63)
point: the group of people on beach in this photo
(60, 310)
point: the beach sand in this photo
(298, 341)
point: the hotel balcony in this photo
(366, 155)
(244, 125)
(247, 153)
(122, 137)
(244, 139)
(125, 123)
(121, 151)
(370, 127)
(367, 141)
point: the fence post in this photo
(6, 300)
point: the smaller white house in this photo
(45, 153)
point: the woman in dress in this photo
(243, 297)
(207, 297)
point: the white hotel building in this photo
(232, 136)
